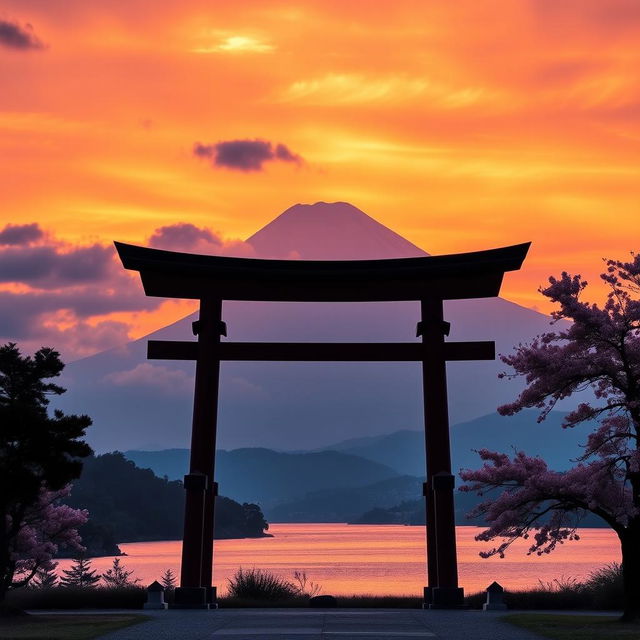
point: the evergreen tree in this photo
(169, 580)
(45, 577)
(80, 574)
(118, 577)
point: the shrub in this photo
(606, 587)
(256, 584)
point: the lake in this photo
(374, 559)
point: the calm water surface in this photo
(376, 559)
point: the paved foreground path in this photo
(328, 624)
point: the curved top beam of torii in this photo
(172, 274)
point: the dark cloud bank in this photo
(21, 234)
(245, 155)
(182, 236)
(45, 279)
(20, 37)
(52, 293)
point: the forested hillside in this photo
(129, 504)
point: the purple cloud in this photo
(182, 236)
(21, 234)
(57, 293)
(62, 295)
(245, 155)
(15, 36)
(50, 267)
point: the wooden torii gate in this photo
(429, 280)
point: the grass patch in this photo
(561, 627)
(64, 627)
(78, 598)
(344, 602)
(603, 590)
(380, 602)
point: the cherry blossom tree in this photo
(34, 541)
(597, 350)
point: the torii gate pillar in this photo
(442, 567)
(197, 547)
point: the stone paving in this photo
(329, 624)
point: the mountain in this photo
(270, 477)
(404, 450)
(329, 231)
(346, 503)
(352, 476)
(140, 404)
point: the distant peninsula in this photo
(130, 504)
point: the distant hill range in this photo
(270, 477)
(361, 475)
(137, 404)
(404, 450)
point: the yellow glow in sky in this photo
(461, 125)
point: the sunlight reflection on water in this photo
(376, 559)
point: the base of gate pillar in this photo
(427, 597)
(447, 598)
(190, 598)
(212, 597)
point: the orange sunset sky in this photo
(461, 125)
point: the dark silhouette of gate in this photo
(429, 280)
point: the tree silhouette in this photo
(45, 577)
(169, 580)
(80, 574)
(118, 576)
(600, 351)
(39, 455)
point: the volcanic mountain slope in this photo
(137, 404)
(330, 231)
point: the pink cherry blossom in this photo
(45, 527)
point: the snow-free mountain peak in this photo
(329, 231)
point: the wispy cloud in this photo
(347, 88)
(152, 376)
(236, 44)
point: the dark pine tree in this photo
(45, 578)
(80, 575)
(169, 580)
(118, 577)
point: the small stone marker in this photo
(155, 597)
(495, 598)
(324, 602)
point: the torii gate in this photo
(212, 279)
